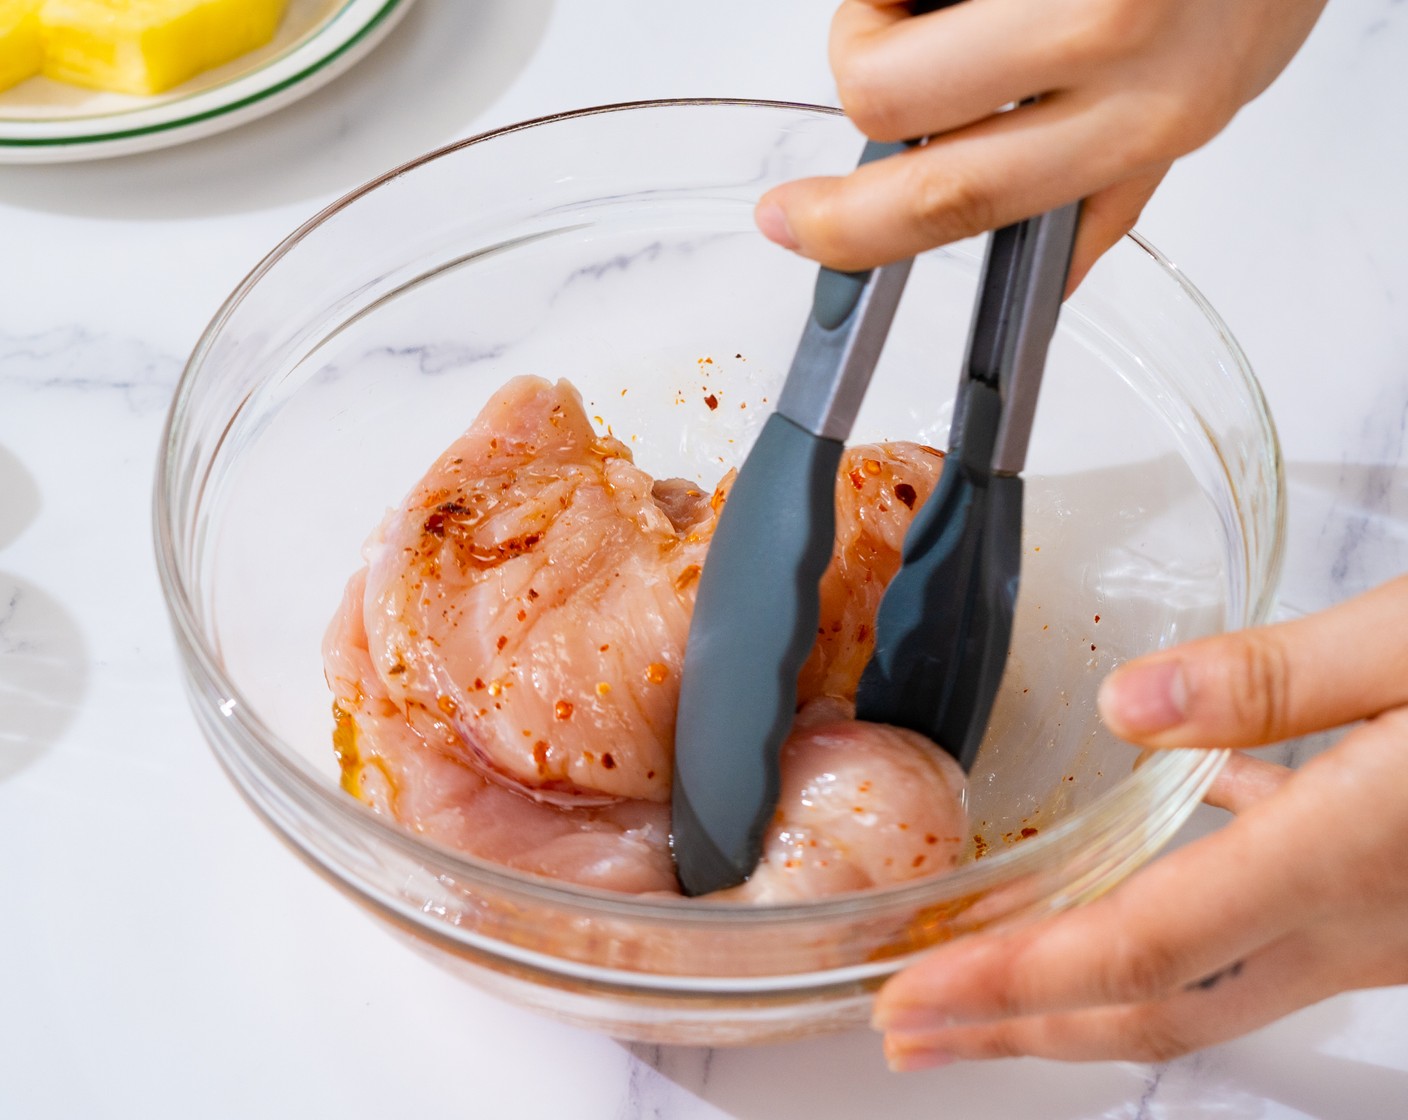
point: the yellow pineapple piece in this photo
(146, 46)
(21, 46)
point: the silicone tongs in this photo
(945, 623)
(757, 607)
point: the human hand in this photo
(1302, 895)
(1125, 87)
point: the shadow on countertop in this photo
(43, 663)
(19, 497)
(844, 1076)
(43, 672)
(440, 68)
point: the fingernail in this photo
(1142, 699)
(903, 1059)
(772, 220)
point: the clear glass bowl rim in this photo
(281, 764)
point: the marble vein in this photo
(76, 360)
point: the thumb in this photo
(1262, 686)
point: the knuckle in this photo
(1098, 29)
(1155, 1037)
(1020, 985)
(1176, 123)
(827, 229)
(1154, 129)
(867, 98)
(951, 204)
(1258, 688)
(1156, 135)
(1139, 970)
(998, 1042)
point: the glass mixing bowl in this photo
(615, 247)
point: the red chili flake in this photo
(1092, 647)
(608, 762)
(857, 479)
(435, 523)
(478, 683)
(1027, 833)
(447, 705)
(930, 838)
(905, 493)
(522, 614)
(532, 594)
(1097, 618)
(503, 641)
(918, 860)
(712, 401)
(656, 673)
(650, 774)
(562, 709)
(872, 466)
(540, 756)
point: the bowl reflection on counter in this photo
(615, 248)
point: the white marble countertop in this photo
(164, 956)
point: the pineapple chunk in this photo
(146, 46)
(21, 46)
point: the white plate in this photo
(43, 121)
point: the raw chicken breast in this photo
(533, 593)
(878, 488)
(506, 668)
(860, 806)
(413, 769)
